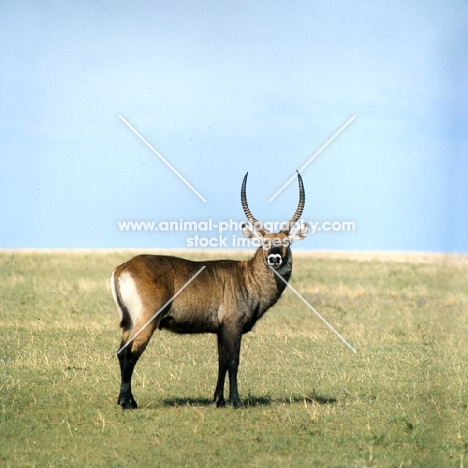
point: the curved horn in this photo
(257, 224)
(300, 205)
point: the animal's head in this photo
(276, 246)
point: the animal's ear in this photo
(299, 232)
(250, 232)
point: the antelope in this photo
(226, 297)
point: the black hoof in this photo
(126, 403)
(220, 403)
(237, 404)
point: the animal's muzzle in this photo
(274, 260)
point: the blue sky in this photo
(222, 88)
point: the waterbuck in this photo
(224, 297)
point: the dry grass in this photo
(400, 401)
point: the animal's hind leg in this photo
(127, 361)
(128, 357)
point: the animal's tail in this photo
(125, 319)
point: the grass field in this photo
(401, 401)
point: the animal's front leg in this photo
(222, 369)
(234, 398)
(230, 343)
